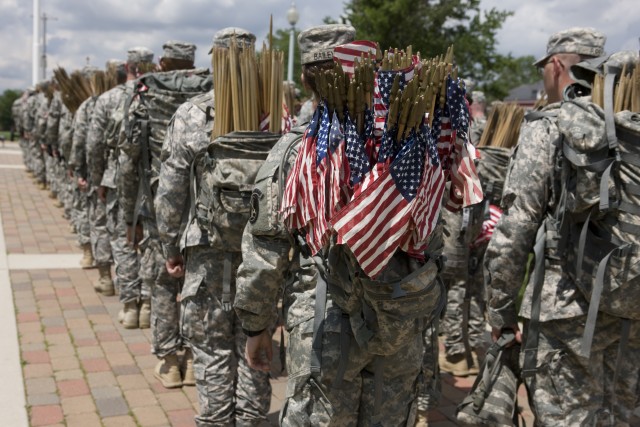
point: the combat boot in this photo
(144, 321)
(52, 194)
(87, 260)
(131, 315)
(167, 371)
(455, 364)
(42, 185)
(422, 420)
(60, 204)
(72, 229)
(187, 368)
(105, 282)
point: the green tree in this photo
(6, 102)
(431, 26)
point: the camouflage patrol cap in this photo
(583, 41)
(222, 38)
(317, 43)
(179, 50)
(115, 64)
(137, 55)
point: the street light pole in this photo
(35, 52)
(292, 16)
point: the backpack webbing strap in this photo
(532, 116)
(318, 319)
(226, 282)
(622, 348)
(609, 124)
(530, 363)
(144, 174)
(593, 162)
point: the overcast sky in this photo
(104, 29)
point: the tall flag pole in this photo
(35, 51)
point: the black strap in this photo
(531, 346)
(345, 345)
(145, 196)
(318, 321)
(622, 349)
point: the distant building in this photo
(526, 95)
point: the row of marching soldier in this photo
(385, 236)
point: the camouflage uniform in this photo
(460, 283)
(566, 389)
(229, 391)
(316, 398)
(476, 128)
(52, 133)
(65, 137)
(102, 166)
(38, 131)
(306, 111)
(82, 206)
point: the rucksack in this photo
(222, 180)
(600, 209)
(146, 115)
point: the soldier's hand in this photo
(497, 333)
(134, 236)
(82, 184)
(102, 193)
(175, 266)
(259, 352)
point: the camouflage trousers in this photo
(80, 215)
(50, 164)
(229, 392)
(374, 390)
(36, 160)
(460, 278)
(430, 388)
(125, 257)
(100, 245)
(569, 390)
(164, 289)
(66, 194)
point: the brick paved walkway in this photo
(80, 367)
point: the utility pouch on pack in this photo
(228, 171)
(387, 312)
(493, 400)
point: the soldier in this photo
(102, 165)
(229, 392)
(133, 186)
(89, 212)
(333, 379)
(478, 112)
(565, 389)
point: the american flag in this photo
(426, 208)
(299, 205)
(339, 169)
(359, 161)
(286, 121)
(441, 131)
(488, 226)
(374, 224)
(346, 54)
(466, 189)
(382, 84)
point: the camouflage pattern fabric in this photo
(566, 389)
(228, 390)
(306, 112)
(188, 134)
(270, 263)
(98, 154)
(529, 195)
(572, 390)
(164, 289)
(78, 164)
(125, 257)
(100, 242)
(39, 126)
(457, 278)
(476, 128)
(429, 385)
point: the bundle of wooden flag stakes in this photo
(372, 169)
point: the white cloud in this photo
(104, 29)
